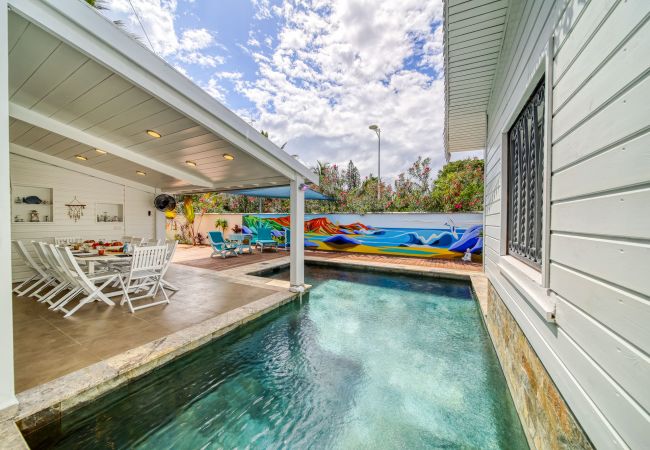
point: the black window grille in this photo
(525, 175)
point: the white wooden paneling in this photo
(623, 362)
(67, 184)
(600, 255)
(139, 213)
(626, 16)
(618, 262)
(580, 23)
(625, 313)
(619, 120)
(631, 159)
(606, 84)
(624, 214)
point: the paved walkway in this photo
(200, 257)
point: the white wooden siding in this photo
(598, 351)
(67, 184)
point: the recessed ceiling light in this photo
(100, 151)
(228, 156)
(190, 163)
(141, 173)
(154, 134)
(81, 157)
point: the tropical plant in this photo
(221, 224)
(459, 186)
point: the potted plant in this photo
(221, 224)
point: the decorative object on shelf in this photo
(47, 218)
(18, 200)
(75, 209)
(33, 216)
(17, 218)
(32, 200)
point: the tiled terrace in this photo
(47, 346)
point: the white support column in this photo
(7, 397)
(297, 259)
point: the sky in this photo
(313, 73)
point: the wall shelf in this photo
(21, 212)
(109, 212)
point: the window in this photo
(525, 175)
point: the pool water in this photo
(368, 360)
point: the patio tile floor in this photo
(47, 346)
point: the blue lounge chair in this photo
(287, 238)
(219, 245)
(265, 238)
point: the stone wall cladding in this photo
(545, 417)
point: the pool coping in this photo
(48, 402)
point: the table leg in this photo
(91, 267)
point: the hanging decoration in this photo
(75, 209)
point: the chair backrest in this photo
(43, 257)
(171, 249)
(216, 238)
(51, 252)
(66, 240)
(264, 233)
(151, 258)
(287, 236)
(74, 271)
(27, 257)
(136, 241)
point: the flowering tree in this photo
(459, 186)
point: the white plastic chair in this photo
(60, 280)
(91, 285)
(145, 274)
(66, 240)
(171, 249)
(36, 280)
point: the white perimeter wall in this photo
(68, 183)
(597, 353)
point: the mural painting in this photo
(419, 235)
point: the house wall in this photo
(596, 351)
(68, 182)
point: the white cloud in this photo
(333, 68)
(262, 9)
(153, 21)
(196, 39)
(336, 69)
(229, 75)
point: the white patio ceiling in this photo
(474, 32)
(67, 101)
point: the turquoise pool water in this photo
(369, 360)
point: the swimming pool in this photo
(368, 360)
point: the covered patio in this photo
(93, 117)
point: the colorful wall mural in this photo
(409, 234)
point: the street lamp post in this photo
(377, 130)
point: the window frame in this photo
(539, 172)
(508, 262)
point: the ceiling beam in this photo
(54, 126)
